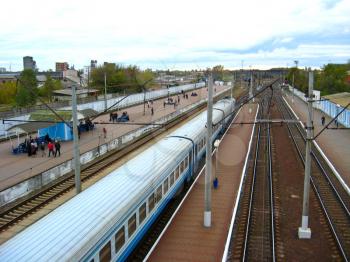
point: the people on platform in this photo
(51, 148)
(323, 119)
(42, 148)
(104, 132)
(57, 148)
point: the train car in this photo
(106, 221)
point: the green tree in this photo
(27, 90)
(300, 78)
(218, 73)
(48, 88)
(332, 79)
(7, 93)
(119, 78)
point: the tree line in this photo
(122, 79)
(330, 80)
(25, 91)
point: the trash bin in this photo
(215, 183)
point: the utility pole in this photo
(144, 101)
(76, 142)
(105, 91)
(293, 88)
(207, 197)
(242, 75)
(233, 84)
(304, 231)
(296, 68)
(251, 90)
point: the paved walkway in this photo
(186, 239)
(334, 143)
(17, 168)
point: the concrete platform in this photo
(186, 239)
(17, 168)
(334, 143)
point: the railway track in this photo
(334, 200)
(254, 239)
(19, 211)
(147, 242)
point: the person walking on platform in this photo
(50, 146)
(104, 132)
(323, 119)
(57, 148)
(42, 148)
(29, 147)
(152, 111)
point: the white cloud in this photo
(123, 31)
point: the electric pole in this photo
(296, 68)
(76, 142)
(105, 91)
(304, 231)
(207, 197)
(233, 84)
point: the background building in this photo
(93, 64)
(2, 69)
(29, 63)
(61, 66)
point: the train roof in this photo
(70, 231)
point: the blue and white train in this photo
(106, 221)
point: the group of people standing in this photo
(53, 147)
(33, 145)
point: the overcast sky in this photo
(182, 34)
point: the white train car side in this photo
(106, 221)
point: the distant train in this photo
(107, 220)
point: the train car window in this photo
(119, 239)
(182, 166)
(172, 179)
(151, 202)
(176, 173)
(131, 225)
(159, 194)
(105, 253)
(186, 162)
(165, 185)
(142, 213)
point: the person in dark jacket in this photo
(57, 148)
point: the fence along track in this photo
(334, 200)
